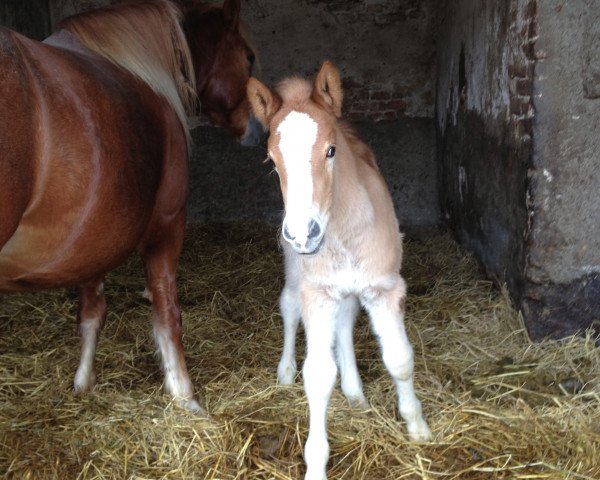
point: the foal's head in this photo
(223, 61)
(302, 120)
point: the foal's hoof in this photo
(286, 373)
(193, 406)
(358, 402)
(83, 382)
(419, 431)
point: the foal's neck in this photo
(351, 202)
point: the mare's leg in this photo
(386, 311)
(344, 349)
(90, 318)
(318, 313)
(161, 257)
(289, 304)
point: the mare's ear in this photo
(263, 101)
(231, 12)
(327, 89)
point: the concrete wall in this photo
(517, 119)
(483, 121)
(563, 265)
(231, 183)
(60, 9)
(30, 17)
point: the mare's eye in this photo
(331, 152)
(251, 58)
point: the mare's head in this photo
(223, 61)
(302, 120)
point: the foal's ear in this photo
(264, 102)
(231, 12)
(327, 89)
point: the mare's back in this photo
(83, 142)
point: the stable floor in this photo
(498, 406)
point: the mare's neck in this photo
(66, 40)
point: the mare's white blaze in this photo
(297, 136)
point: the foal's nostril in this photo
(286, 234)
(314, 229)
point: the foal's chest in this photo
(340, 271)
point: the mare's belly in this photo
(41, 257)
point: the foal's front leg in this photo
(386, 311)
(289, 305)
(90, 318)
(161, 258)
(318, 313)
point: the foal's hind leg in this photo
(161, 258)
(386, 311)
(90, 317)
(344, 349)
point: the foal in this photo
(342, 246)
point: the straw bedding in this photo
(498, 406)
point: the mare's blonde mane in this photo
(146, 39)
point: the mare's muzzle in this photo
(255, 133)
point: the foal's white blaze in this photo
(298, 134)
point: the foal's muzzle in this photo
(308, 242)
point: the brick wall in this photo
(521, 69)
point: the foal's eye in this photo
(251, 58)
(331, 152)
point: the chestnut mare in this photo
(94, 151)
(342, 246)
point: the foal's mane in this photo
(296, 90)
(146, 39)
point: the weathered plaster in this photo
(566, 168)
